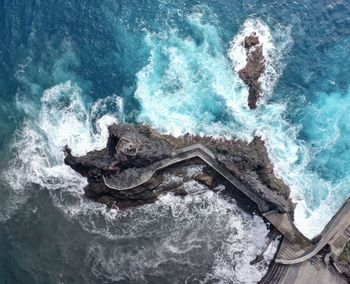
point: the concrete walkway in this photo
(308, 272)
(120, 182)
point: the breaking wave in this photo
(63, 119)
(202, 233)
(188, 86)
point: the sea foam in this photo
(200, 224)
(202, 94)
(173, 229)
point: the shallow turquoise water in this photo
(68, 68)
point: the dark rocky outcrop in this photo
(254, 68)
(133, 148)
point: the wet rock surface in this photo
(254, 68)
(134, 147)
(343, 262)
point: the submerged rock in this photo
(130, 171)
(254, 68)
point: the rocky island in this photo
(253, 69)
(131, 149)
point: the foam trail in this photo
(180, 93)
(292, 157)
(62, 120)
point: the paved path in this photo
(142, 175)
(336, 234)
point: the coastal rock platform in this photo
(131, 169)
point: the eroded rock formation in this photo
(254, 68)
(132, 149)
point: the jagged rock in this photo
(254, 68)
(208, 180)
(179, 191)
(251, 40)
(133, 148)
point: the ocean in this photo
(68, 69)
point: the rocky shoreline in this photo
(131, 148)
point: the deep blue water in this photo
(68, 68)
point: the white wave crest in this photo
(202, 232)
(63, 119)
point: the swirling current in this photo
(68, 69)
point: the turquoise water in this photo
(69, 68)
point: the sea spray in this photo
(63, 119)
(275, 45)
(302, 120)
